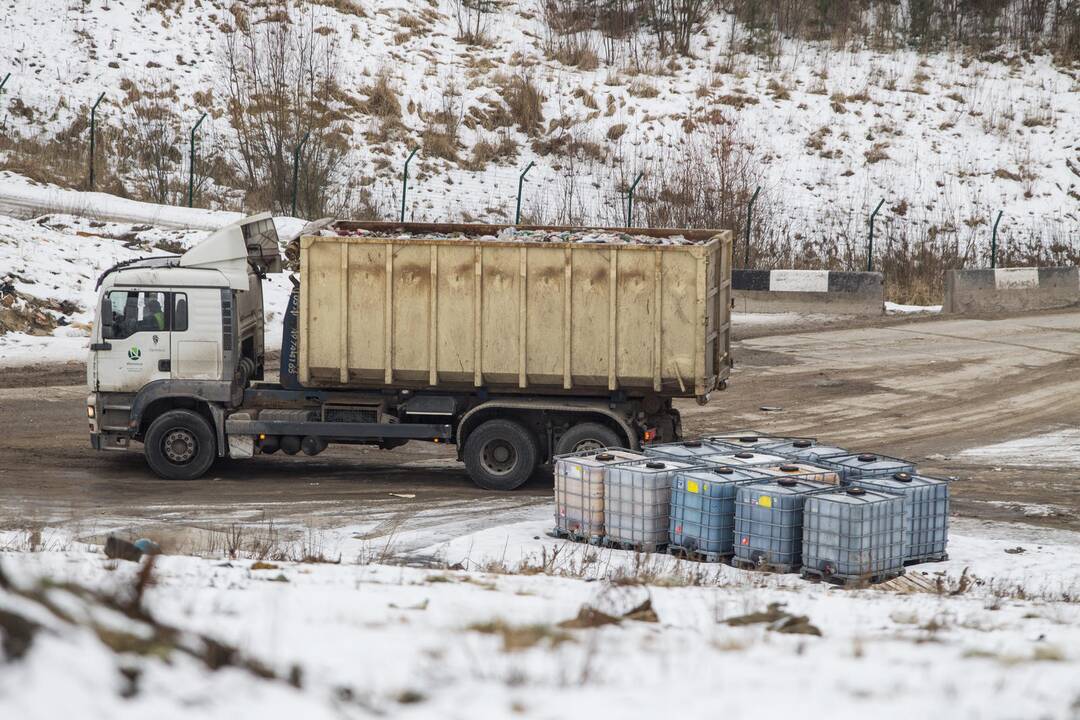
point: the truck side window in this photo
(135, 311)
(180, 314)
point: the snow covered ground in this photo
(501, 623)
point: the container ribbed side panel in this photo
(926, 513)
(769, 521)
(854, 537)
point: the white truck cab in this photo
(179, 327)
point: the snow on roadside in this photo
(892, 308)
(21, 197)
(416, 642)
(1060, 448)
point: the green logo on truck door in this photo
(134, 353)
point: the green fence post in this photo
(93, 127)
(191, 165)
(870, 247)
(521, 182)
(296, 169)
(405, 182)
(749, 223)
(993, 241)
(630, 201)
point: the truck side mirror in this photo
(105, 318)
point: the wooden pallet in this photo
(862, 581)
(744, 564)
(927, 559)
(697, 555)
(911, 582)
(614, 544)
(563, 534)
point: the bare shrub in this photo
(440, 137)
(153, 141)
(707, 185)
(674, 23)
(473, 19)
(278, 77)
(985, 26)
(568, 34)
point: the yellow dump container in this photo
(408, 306)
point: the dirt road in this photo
(924, 389)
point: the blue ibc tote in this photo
(703, 509)
(769, 521)
(926, 513)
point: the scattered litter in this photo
(771, 408)
(1016, 550)
(148, 546)
(589, 617)
(778, 621)
(405, 496)
(418, 606)
(118, 549)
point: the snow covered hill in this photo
(946, 139)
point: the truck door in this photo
(135, 344)
(198, 334)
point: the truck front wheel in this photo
(180, 445)
(500, 455)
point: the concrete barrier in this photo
(808, 291)
(1011, 289)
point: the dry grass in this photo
(737, 100)
(382, 101)
(485, 151)
(778, 90)
(516, 638)
(877, 153)
(583, 58)
(525, 101)
(641, 88)
(616, 131)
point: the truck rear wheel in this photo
(587, 436)
(500, 455)
(180, 445)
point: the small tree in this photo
(281, 83)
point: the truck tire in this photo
(587, 436)
(180, 445)
(500, 455)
